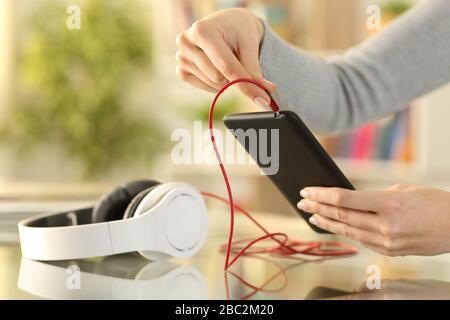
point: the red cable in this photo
(285, 247)
(281, 271)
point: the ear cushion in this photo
(112, 205)
(132, 206)
(151, 196)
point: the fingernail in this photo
(262, 103)
(304, 193)
(302, 205)
(314, 220)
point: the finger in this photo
(191, 68)
(228, 64)
(375, 248)
(249, 57)
(383, 250)
(372, 240)
(359, 200)
(359, 219)
(347, 231)
(201, 60)
(194, 81)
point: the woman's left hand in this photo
(402, 220)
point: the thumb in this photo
(248, 56)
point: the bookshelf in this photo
(430, 156)
(387, 148)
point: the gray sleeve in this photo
(406, 60)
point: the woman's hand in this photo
(220, 48)
(402, 220)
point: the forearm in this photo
(409, 58)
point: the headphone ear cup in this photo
(112, 205)
(132, 206)
(157, 192)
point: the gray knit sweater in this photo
(408, 59)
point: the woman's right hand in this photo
(223, 47)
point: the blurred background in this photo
(83, 109)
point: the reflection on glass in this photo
(115, 277)
(274, 283)
(402, 289)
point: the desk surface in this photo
(202, 277)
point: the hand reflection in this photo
(115, 277)
(402, 289)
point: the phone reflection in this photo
(390, 289)
(116, 277)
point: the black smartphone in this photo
(287, 152)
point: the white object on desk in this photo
(174, 225)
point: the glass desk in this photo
(201, 277)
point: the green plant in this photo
(72, 85)
(395, 7)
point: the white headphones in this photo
(157, 220)
(119, 277)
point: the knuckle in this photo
(390, 246)
(315, 207)
(346, 231)
(248, 91)
(226, 69)
(338, 196)
(200, 29)
(392, 206)
(180, 58)
(245, 90)
(394, 230)
(389, 230)
(181, 39)
(217, 77)
(182, 74)
(254, 70)
(341, 214)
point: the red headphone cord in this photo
(285, 247)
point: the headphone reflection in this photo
(116, 277)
